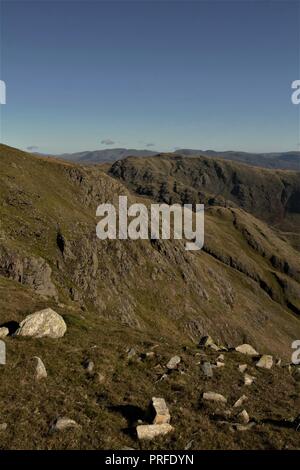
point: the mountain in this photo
(131, 305)
(283, 160)
(276, 160)
(103, 156)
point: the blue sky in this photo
(83, 75)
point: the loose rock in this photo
(248, 379)
(242, 368)
(265, 362)
(159, 409)
(243, 417)
(207, 369)
(150, 431)
(212, 396)
(247, 349)
(240, 401)
(40, 370)
(64, 423)
(173, 362)
(41, 324)
(4, 332)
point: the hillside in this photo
(244, 286)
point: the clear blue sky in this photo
(169, 74)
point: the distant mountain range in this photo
(275, 160)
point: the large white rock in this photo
(247, 349)
(150, 431)
(43, 323)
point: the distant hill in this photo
(104, 156)
(277, 160)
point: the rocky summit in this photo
(95, 330)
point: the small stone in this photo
(244, 427)
(40, 370)
(220, 364)
(150, 431)
(221, 357)
(89, 366)
(247, 349)
(4, 332)
(131, 353)
(240, 401)
(64, 423)
(242, 368)
(173, 362)
(248, 379)
(265, 362)
(100, 378)
(212, 396)
(206, 341)
(3, 426)
(243, 417)
(150, 354)
(159, 409)
(207, 369)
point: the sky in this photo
(86, 75)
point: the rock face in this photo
(212, 396)
(4, 332)
(247, 349)
(41, 324)
(150, 431)
(160, 410)
(40, 371)
(265, 362)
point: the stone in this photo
(206, 341)
(4, 332)
(212, 396)
(221, 357)
(244, 427)
(131, 353)
(248, 379)
(159, 409)
(173, 362)
(89, 366)
(220, 364)
(150, 431)
(207, 370)
(242, 368)
(45, 323)
(265, 362)
(64, 423)
(243, 417)
(240, 401)
(247, 349)
(3, 426)
(40, 370)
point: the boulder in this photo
(173, 362)
(159, 411)
(247, 349)
(4, 332)
(41, 324)
(150, 431)
(265, 362)
(212, 396)
(40, 370)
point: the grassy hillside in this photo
(117, 295)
